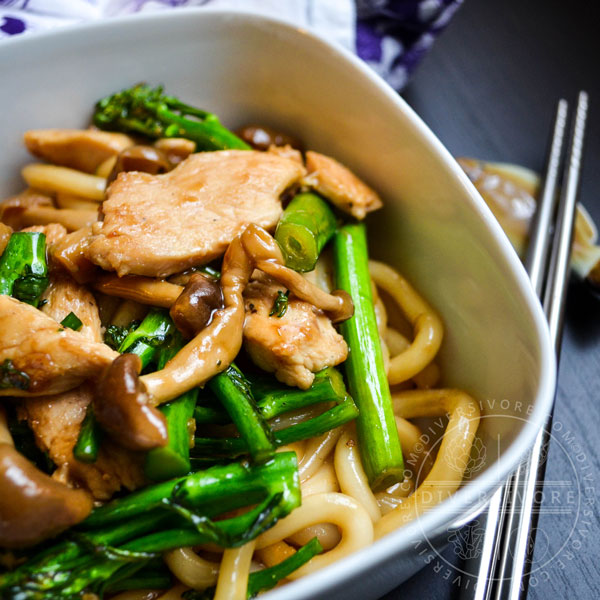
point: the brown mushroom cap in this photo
(262, 138)
(147, 159)
(193, 309)
(121, 407)
(33, 506)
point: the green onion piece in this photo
(379, 444)
(306, 225)
(23, 267)
(72, 321)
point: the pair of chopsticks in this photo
(509, 524)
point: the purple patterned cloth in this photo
(391, 36)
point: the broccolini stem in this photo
(173, 460)
(234, 392)
(268, 578)
(155, 519)
(23, 267)
(343, 412)
(142, 109)
(145, 341)
(273, 400)
(378, 438)
(306, 225)
(90, 437)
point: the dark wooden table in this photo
(488, 89)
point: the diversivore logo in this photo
(565, 504)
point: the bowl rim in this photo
(466, 497)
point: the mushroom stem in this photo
(144, 290)
(71, 218)
(215, 347)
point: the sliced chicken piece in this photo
(54, 358)
(56, 422)
(63, 296)
(83, 149)
(53, 231)
(157, 225)
(287, 151)
(12, 209)
(339, 185)
(295, 346)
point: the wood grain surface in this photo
(488, 89)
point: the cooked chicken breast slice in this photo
(83, 149)
(339, 185)
(54, 358)
(295, 346)
(56, 422)
(157, 225)
(63, 296)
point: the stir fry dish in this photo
(207, 388)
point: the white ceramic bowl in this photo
(435, 228)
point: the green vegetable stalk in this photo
(23, 267)
(140, 526)
(173, 460)
(234, 392)
(147, 111)
(306, 225)
(266, 579)
(90, 437)
(275, 403)
(378, 438)
(274, 399)
(146, 340)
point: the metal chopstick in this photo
(509, 522)
(513, 581)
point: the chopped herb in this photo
(11, 377)
(72, 321)
(115, 334)
(280, 305)
(209, 272)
